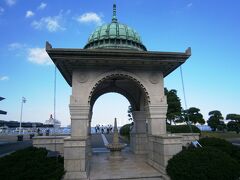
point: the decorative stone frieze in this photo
(78, 111)
(119, 74)
(82, 77)
(155, 77)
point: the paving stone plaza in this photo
(115, 60)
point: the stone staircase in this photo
(134, 178)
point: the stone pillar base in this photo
(161, 149)
(76, 158)
(138, 143)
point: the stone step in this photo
(134, 178)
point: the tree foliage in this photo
(214, 120)
(193, 115)
(234, 124)
(233, 117)
(125, 130)
(130, 110)
(174, 106)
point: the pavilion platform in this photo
(131, 166)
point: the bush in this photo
(203, 164)
(125, 130)
(182, 129)
(222, 145)
(31, 163)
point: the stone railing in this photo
(187, 138)
(52, 143)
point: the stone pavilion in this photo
(116, 60)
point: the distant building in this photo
(15, 124)
(1, 111)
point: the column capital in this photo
(157, 111)
(155, 106)
(81, 107)
(78, 111)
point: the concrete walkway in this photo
(235, 141)
(131, 166)
(9, 144)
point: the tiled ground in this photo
(129, 167)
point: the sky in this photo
(211, 75)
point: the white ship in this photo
(51, 121)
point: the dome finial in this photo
(114, 17)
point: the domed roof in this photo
(115, 35)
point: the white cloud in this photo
(29, 14)
(1, 10)
(42, 6)
(4, 78)
(90, 17)
(189, 5)
(52, 24)
(38, 56)
(10, 2)
(16, 45)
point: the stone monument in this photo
(115, 147)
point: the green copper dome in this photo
(115, 35)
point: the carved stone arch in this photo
(119, 73)
(128, 96)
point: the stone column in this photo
(156, 116)
(138, 139)
(89, 134)
(79, 120)
(161, 146)
(90, 122)
(76, 147)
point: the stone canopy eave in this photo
(67, 59)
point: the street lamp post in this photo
(20, 126)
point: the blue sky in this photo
(210, 28)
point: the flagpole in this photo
(20, 125)
(54, 105)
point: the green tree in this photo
(174, 106)
(193, 115)
(130, 110)
(215, 119)
(233, 126)
(233, 117)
